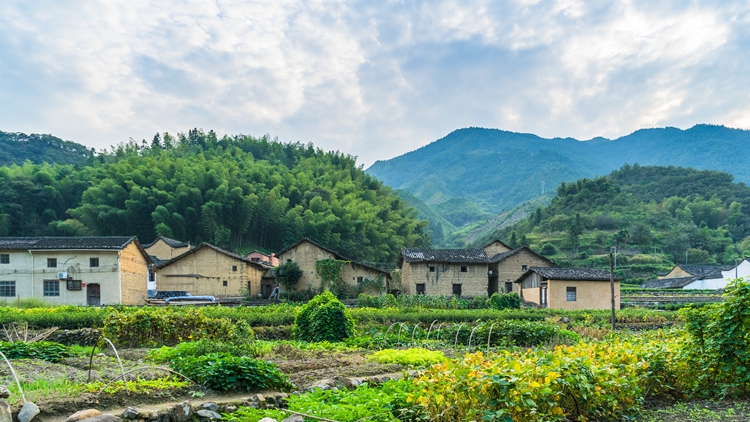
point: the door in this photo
(93, 295)
(508, 287)
(543, 295)
(492, 286)
(265, 290)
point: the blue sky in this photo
(373, 79)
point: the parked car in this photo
(164, 294)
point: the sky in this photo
(371, 79)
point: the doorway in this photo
(93, 295)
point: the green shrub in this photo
(411, 357)
(223, 372)
(44, 350)
(169, 326)
(288, 275)
(324, 318)
(502, 301)
(63, 317)
(202, 348)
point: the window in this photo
(7, 288)
(93, 262)
(508, 287)
(457, 290)
(4, 258)
(464, 268)
(524, 268)
(151, 275)
(74, 285)
(51, 288)
(51, 262)
(571, 294)
(420, 288)
(249, 287)
(234, 268)
(432, 269)
(224, 283)
(360, 279)
(288, 260)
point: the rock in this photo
(4, 392)
(106, 417)
(294, 418)
(230, 409)
(268, 420)
(83, 414)
(5, 415)
(181, 412)
(131, 413)
(210, 406)
(208, 414)
(28, 412)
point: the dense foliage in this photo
(15, 148)
(223, 372)
(324, 318)
(679, 213)
(44, 350)
(410, 357)
(233, 192)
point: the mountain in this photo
(15, 148)
(498, 170)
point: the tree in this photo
(574, 232)
(288, 275)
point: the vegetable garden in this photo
(413, 359)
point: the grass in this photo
(44, 389)
(703, 411)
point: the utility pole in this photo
(686, 256)
(612, 287)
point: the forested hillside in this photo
(655, 215)
(15, 148)
(234, 192)
(497, 170)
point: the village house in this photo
(568, 288)
(307, 252)
(703, 277)
(457, 272)
(210, 270)
(74, 270)
(260, 257)
(161, 250)
(506, 267)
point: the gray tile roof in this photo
(705, 271)
(210, 246)
(335, 254)
(557, 273)
(84, 242)
(171, 242)
(502, 255)
(464, 256)
(669, 283)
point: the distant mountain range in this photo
(498, 170)
(15, 148)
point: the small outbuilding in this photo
(457, 272)
(568, 288)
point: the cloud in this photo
(374, 79)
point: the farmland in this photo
(406, 358)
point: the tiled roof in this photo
(669, 283)
(556, 273)
(84, 242)
(497, 241)
(334, 253)
(469, 256)
(171, 242)
(502, 255)
(705, 271)
(207, 245)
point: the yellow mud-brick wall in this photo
(305, 255)
(511, 268)
(676, 272)
(440, 282)
(162, 251)
(253, 277)
(204, 273)
(351, 271)
(133, 276)
(407, 285)
(532, 294)
(589, 294)
(495, 248)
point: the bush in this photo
(502, 301)
(223, 372)
(411, 357)
(288, 275)
(202, 348)
(167, 326)
(548, 249)
(63, 317)
(324, 318)
(44, 350)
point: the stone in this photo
(106, 417)
(229, 409)
(210, 406)
(5, 415)
(181, 412)
(294, 418)
(208, 414)
(4, 392)
(268, 420)
(28, 412)
(83, 414)
(131, 413)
